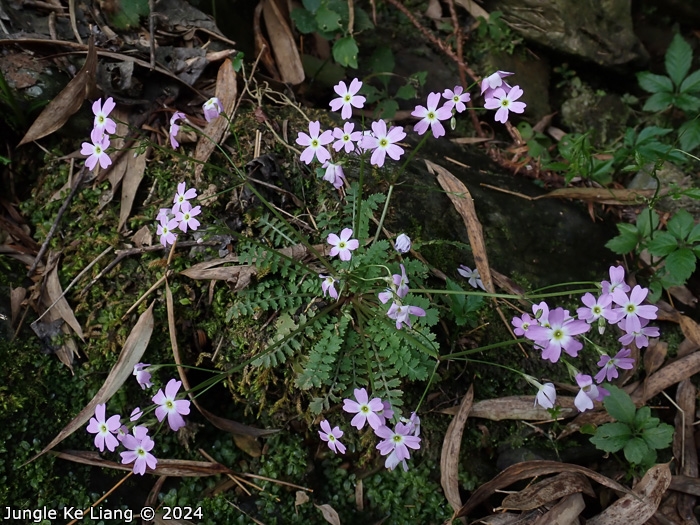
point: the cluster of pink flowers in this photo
(102, 127)
(111, 433)
(555, 331)
(181, 215)
(375, 412)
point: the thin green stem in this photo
(481, 349)
(381, 219)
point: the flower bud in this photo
(403, 243)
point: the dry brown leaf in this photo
(240, 275)
(221, 423)
(685, 484)
(434, 10)
(636, 508)
(473, 9)
(216, 131)
(547, 491)
(17, 296)
(654, 356)
(690, 329)
(136, 167)
(300, 498)
(143, 237)
(248, 444)
(520, 408)
(470, 140)
(134, 347)
(530, 469)
(284, 46)
(684, 444)
(600, 195)
(120, 161)
(329, 514)
(565, 512)
(669, 375)
(181, 468)
(54, 294)
(464, 204)
(449, 458)
(262, 46)
(67, 102)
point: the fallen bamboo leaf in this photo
(248, 444)
(685, 484)
(565, 512)
(221, 423)
(283, 43)
(134, 347)
(684, 444)
(601, 195)
(54, 300)
(136, 167)
(470, 140)
(669, 375)
(329, 514)
(17, 296)
(636, 508)
(449, 457)
(120, 161)
(464, 204)
(473, 9)
(181, 468)
(516, 407)
(216, 131)
(654, 356)
(240, 275)
(262, 46)
(547, 491)
(530, 469)
(67, 102)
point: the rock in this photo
(602, 114)
(593, 30)
(669, 175)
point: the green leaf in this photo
(651, 132)
(620, 406)
(694, 234)
(304, 20)
(680, 225)
(641, 417)
(406, 92)
(626, 241)
(691, 84)
(128, 13)
(345, 52)
(311, 5)
(611, 437)
(382, 61)
(686, 102)
(387, 108)
(680, 265)
(658, 102)
(647, 221)
(689, 135)
(635, 450)
(659, 437)
(327, 19)
(654, 83)
(662, 244)
(362, 20)
(679, 57)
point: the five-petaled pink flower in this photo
(617, 280)
(493, 82)
(456, 98)
(365, 410)
(559, 335)
(103, 429)
(212, 109)
(315, 144)
(383, 142)
(400, 313)
(96, 150)
(348, 97)
(342, 245)
(596, 308)
(505, 102)
(186, 216)
(143, 376)
(175, 128)
(139, 445)
(631, 308)
(101, 111)
(641, 336)
(182, 196)
(609, 365)
(522, 324)
(431, 116)
(328, 286)
(165, 231)
(334, 174)
(169, 406)
(398, 441)
(346, 137)
(332, 437)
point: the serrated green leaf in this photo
(387, 108)
(641, 417)
(647, 221)
(304, 20)
(694, 235)
(345, 52)
(620, 406)
(678, 60)
(406, 92)
(680, 225)
(654, 83)
(658, 102)
(626, 241)
(689, 135)
(659, 437)
(686, 102)
(691, 84)
(680, 265)
(662, 244)
(362, 20)
(327, 19)
(611, 437)
(636, 450)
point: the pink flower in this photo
(431, 116)
(170, 407)
(473, 276)
(163, 214)
(186, 217)
(400, 314)
(143, 377)
(559, 335)
(103, 429)
(334, 174)
(135, 414)
(332, 437)
(212, 109)
(165, 231)
(494, 81)
(546, 396)
(398, 441)
(175, 128)
(402, 243)
(342, 245)
(348, 98)
(364, 409)
(456, 98)
(610, 365)
(617, 280)
(182, 196)
(588, 393)
(412, 424)
(522, 324)
(641, 336)
(597, 308)
(346, 137)
(96, 150)
(383, 143)
(328, 286)
(630, 308)
(401, 282)
(505, 102)
(541, 313)
(139, 446)
(102, 121)
(315, 144)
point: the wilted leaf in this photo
(518, 407)
(329, 514)
(684, 444)
(654, 356)
(565, 512)
(620, 196)
(449, 457)
(284, 46)
(248, 444)
(136, 167)
(547, 491)
(54, 296)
